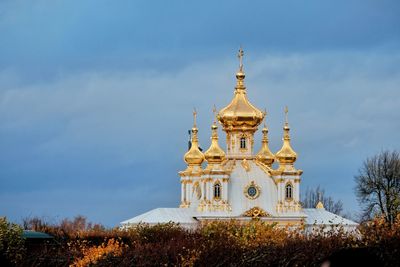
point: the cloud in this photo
(42, 39)
(118, 137)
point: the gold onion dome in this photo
(214, 154)
(240, 113)
(286, 154)
(265, 155)
(194, 156)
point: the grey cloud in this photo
(119, 136)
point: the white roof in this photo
(322, 216)
(188, 217)
(163, 215)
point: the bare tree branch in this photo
(378, 186)
(313, 196)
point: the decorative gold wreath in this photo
(252, 183)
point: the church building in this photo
(240, 183)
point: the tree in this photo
(12, 248)
(378, 186)
(313, 196)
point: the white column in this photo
(211, 190)
(182, 191)
(188, 196)
(293, 190)
(279, 191)
(225, 190)
(206, 194)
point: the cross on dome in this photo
(240, 56)
(194, 117)
(215, 114)
(286, 115)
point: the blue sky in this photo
(96, 96)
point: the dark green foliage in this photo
(12, 247)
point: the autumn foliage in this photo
(78, 243)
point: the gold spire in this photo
(286, 155)
(214, 114)
(240, 113)
(265, 155)
(286, 116)
(214, 154)
(194, 156)
(240, 74)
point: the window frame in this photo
(243, 143)
(217, 188)
(289, 191)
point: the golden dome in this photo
(214, 154)
(194, 156)
(286, 154)
(265, 155)
(240, 113)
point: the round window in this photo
(252, 191)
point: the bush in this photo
(218, 243)
(11, 243)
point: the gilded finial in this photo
(215, 114)
(240, 56)
(265, 117)
(286, 125)
(286, 115)
(194, 117)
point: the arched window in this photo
(289, 191)
(217, 191)
(243, 143)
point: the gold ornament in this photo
(245, 165)
(252, 191)
(256, 212)
(320, 205)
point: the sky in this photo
(96, 96)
